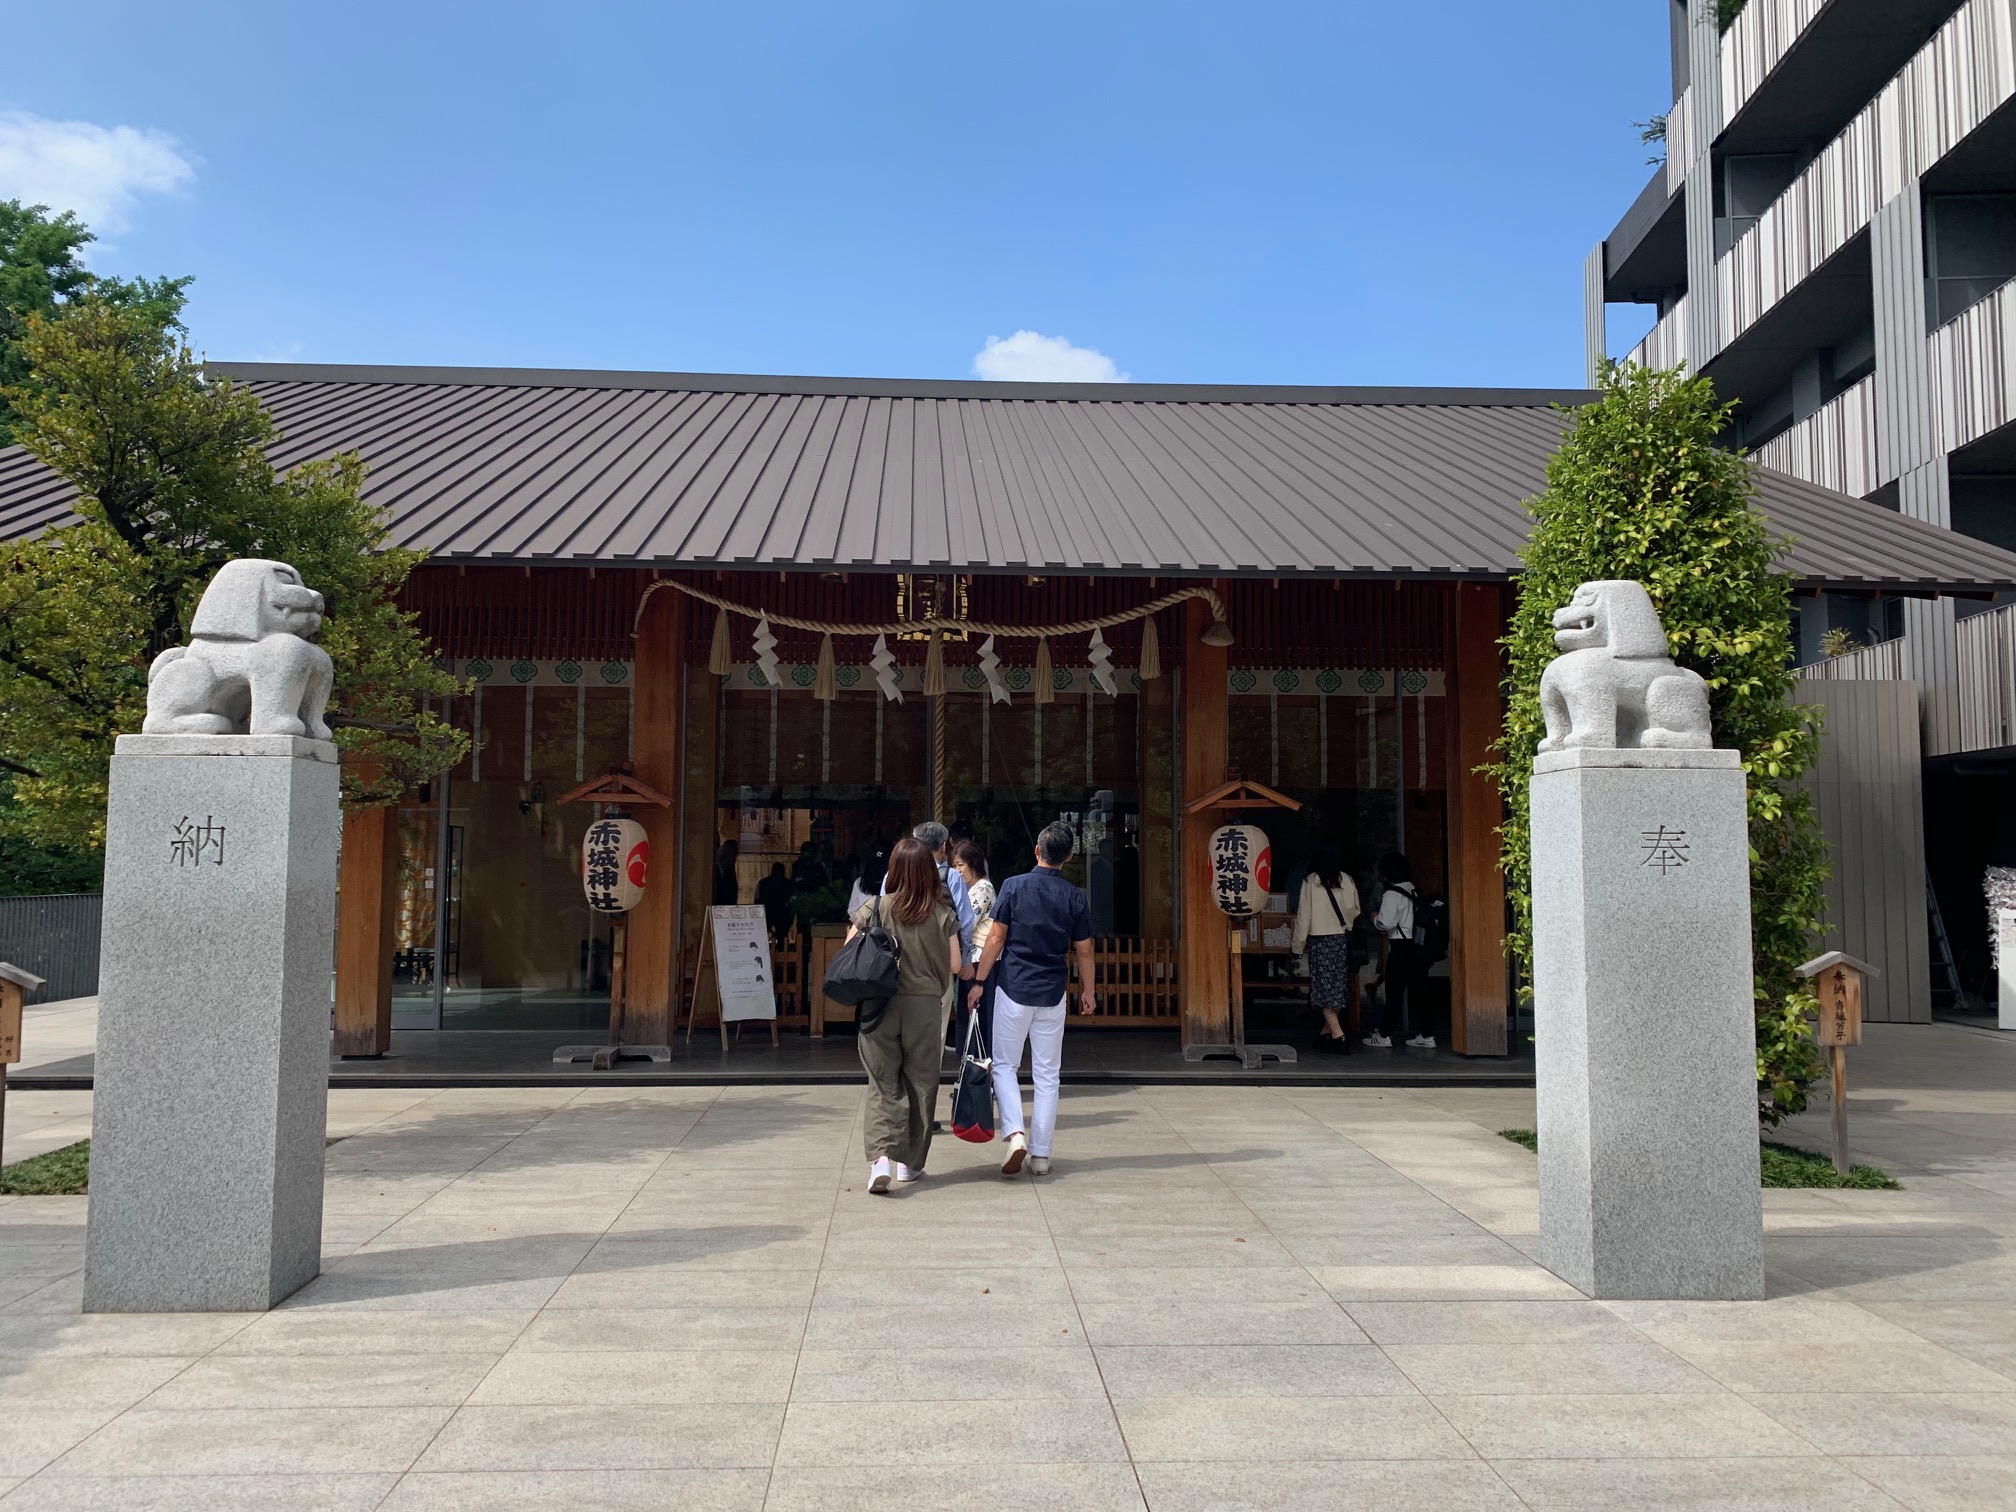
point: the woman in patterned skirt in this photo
(1323, 919)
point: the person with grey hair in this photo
(1040, 921)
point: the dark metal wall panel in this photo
(56, 937)
(1868, 793)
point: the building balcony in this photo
(1795, 72)
(1961, 77)
(1665, 345)
(1987, 666)
(1973, 363)
(1835, 447)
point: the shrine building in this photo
(1145, 592)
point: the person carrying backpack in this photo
(1400, 928)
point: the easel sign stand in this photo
(738, 938)
(614, 862)
(1837, 980)
(15, 985)
(1239, 794)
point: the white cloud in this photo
(1030, 357)
(98, 171)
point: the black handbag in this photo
(973, 1099)
(864, 971)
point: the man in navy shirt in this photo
(1040, 920)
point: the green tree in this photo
(172, 481)
(1639, 489)
(41, 271)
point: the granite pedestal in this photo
(213, 1026)
(1645, 1039)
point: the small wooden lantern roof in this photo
(1240, 793)
(26, 980)
(617, 785)
(1835, 958)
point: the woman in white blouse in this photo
(1323, 919)
(971, 861)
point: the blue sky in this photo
(1258, 193)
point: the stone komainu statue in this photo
(248, 668)
(1614, 686)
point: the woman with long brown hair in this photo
(903, 1052)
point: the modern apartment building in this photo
(1832, 238)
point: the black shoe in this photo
(1332, 1044)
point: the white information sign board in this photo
(742, 962)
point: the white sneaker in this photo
(1039, 1165)
(1423, 1042)
(878, 1176)
(909, 1173)
(1018, 1151)
(1378, 1042)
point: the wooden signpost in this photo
(15, 985)
(1227, 797)
(617, 789)
(1837, 981)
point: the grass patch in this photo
(1780, 1166)
(59, 1173)
(1787, 1167)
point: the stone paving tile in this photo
(1624, 1365)
(652, 1286)
(943, 1372)
(1248, 1430)
(1675, 1425)
(907, 1488)
(580, 1330)
(35, 1435)
(252, 1441)
(1017, 1324)
(993, 1432)
(179, 1334)
(1847, 1423)
(1420, 1283)
(1153, 1322)
(328, 1331)
(638, 1377)
(1944, 1483)
(688, 1436)
(346, 1380)
(81, 1382)
(1483, 1322)
(576, 1490)
(1693, 1485)
(1848, 1366)
(1251, 1370)
(202, 1493)
(1269, 1485)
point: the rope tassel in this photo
(1151, 651)
(718, 661)
(934, 666)
(825, 686)
(1046, 691)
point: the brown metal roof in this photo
(696, 470)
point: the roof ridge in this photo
(902, 388)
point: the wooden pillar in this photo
(1475, 708)
(652, 963)
(1204, 972)
(367, 900)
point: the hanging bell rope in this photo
(934, 667)
(1217, 633)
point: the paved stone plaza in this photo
(1222, 1298)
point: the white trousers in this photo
(1043, 1030)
